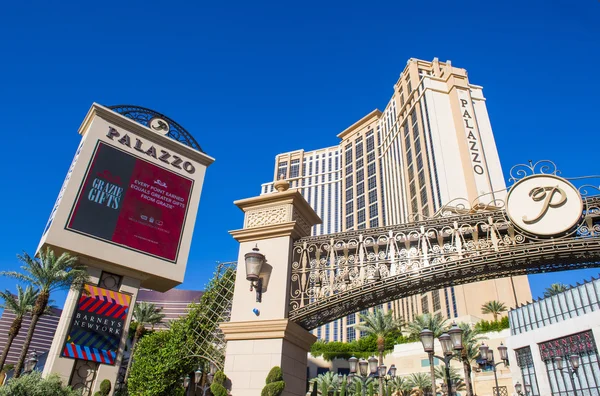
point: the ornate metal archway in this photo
(335, 275)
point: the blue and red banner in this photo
(98, 325)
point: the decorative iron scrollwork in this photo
(143, 116)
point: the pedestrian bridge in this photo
(339, 274)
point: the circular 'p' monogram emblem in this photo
(544, 205)
(159, 125)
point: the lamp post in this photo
(366, 369)
(487, 355)
(451, 341)
(519, 389)
(572, 367)
(254, 262)
(387, 375)
(30, 362)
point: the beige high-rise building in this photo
(431, 146)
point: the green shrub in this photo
(217, 387)
(485, 327)
(274, 375)
(274, 383)
(104, 388)
(34, 385)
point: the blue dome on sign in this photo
(145, 116)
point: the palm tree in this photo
(401, 386)
(471, 343)
(380, 325)
(554, 289)
(143, 313)
(48, 273)
(20, 305)
(420, 381)
(493, 307)
(455, 377)
(326, 383)
(436, 323)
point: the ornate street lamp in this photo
(31, 362)
(366, 369)
(451, 342)
(571, 367)
(254, 262)
(519, 389)
(487, 356)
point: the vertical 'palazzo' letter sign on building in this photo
(127, 209)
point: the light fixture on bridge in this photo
(254, 262)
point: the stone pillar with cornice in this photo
(259, 335)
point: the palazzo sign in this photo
(544, 205)
(98, 324)
(473, 140)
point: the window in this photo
(349, 207)
(371, 169)
(424, 304)
(294, 168)
(374, 223)
(525, 364)
(360, 176)
(373, 211)
(360, 188)
(425, 362)
(351, 334)
(453, 302)
(327, 332)
(360, 163)
(349, 222)
(359, 148)
(361, 216)
(282, 169)
(348, 154)
(370, 143)
(349, 181)
(372, 183)
(351, 319)
(360, 202)
(372, 196)
(336, 330)
(436, 300)
(349, 194)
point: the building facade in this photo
(42, 335)
(559, 326)
(173, 303)
(430, 150)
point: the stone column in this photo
(259, 335)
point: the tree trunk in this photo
(467, 367)
(432, 371)
(380, 349)
(38, 310)
(12, 333)
(136, 337)
(25, 349)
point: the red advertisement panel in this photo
(133, 203)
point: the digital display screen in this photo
(97, 326)
(133, 203)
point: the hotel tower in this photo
(431, 147)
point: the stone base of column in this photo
(253, 348)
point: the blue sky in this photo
(252, 79)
